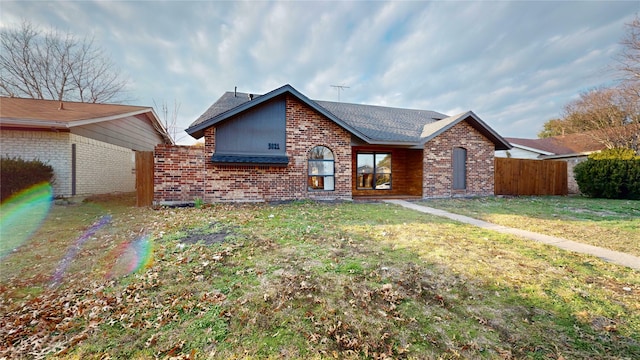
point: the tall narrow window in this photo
(459, 168)
(321, 169)
(373, 171)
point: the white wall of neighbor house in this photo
(517, 153)
(100, 167)
(103, 168)
(52, 148)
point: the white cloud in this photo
(513, 63)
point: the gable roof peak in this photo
(372, 124)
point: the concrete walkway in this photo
(615, 257)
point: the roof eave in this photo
(560, 156)
(411, 144)
(34, 123)
(527, 148)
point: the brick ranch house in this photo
(285, 146)
(91, 147)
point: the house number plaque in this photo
(274, 146)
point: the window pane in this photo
(383, 181)
(365, 164)
(364, 181)
(316, 182)
(321, 183)
(320, 153)
(374, 171)
(328, 183)
(320, 167)
(383, 163)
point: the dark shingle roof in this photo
(373, 124)
(227, 101)
(378, 123)
(381, 123)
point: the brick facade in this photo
(179, 173)
(437, 166)
(184, 174)
(100, 167)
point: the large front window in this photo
(374, 171)
(321, 169)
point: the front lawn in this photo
(612, 224)
(305, 280)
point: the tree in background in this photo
(611, 115)
(169, 118)
(629, 60)
(55, 66)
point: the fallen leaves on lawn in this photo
(60, 318)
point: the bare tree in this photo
(56, 66)
(610, 115)
(169, 118)
(629, 56)
(605, 114)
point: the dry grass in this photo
(309, 280)
(612, 224)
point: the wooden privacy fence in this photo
(144, 178)
(530, 177)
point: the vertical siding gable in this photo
(133, 132)
(259, 131)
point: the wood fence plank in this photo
(144, 178)
(530, 177)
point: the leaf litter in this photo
(251, 285)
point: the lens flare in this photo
(56, 279)
(21, 215)
(132, 257)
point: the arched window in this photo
(321, 169)
(459, 168)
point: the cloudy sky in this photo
(514, 63)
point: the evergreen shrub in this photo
(17, 174)
(611, 174)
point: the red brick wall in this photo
(438, 155)
(185, 173)
(216, 183)
(178, 173)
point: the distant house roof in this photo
(372, 124)
(53, 114)
(559, 146)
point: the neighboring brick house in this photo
(284, 146)
(572, 148)
(91, 147)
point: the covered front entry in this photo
(386, 172)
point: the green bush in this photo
(612, 174)
(615, 153)
(17, 174)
